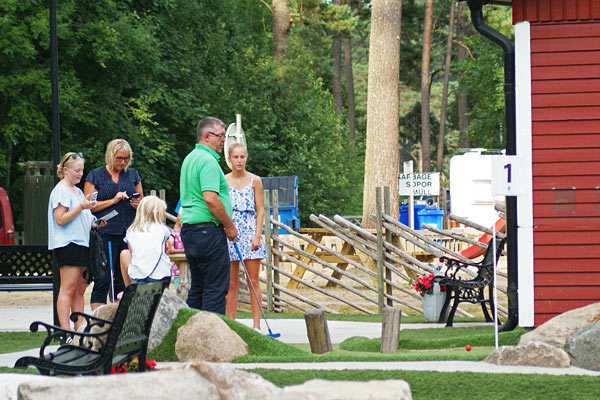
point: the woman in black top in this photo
(119, 188)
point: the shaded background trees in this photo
(148, 70)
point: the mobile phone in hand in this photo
(94, 196)
(135, 195)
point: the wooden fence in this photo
(349, 267)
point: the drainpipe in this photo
(511, 149)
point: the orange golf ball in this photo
(468, 347)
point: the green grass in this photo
(457, 385)
(418, 339)
(415, 345)
(11, 342)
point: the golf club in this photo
(270, 334)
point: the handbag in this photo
(98, 260)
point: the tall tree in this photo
(425, 61)
(442, 134)
(337, 67)
(463, 28)
(381, 156)
(281, 27)
(347, 42)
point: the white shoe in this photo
(257, 330)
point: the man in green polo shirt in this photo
(207, 218)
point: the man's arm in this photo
(215, 205)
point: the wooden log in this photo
(420, 266)
(317, 331)
(368, 246)
(390, 330)
(315, 287)
(454, 235)
(429, 246)
(339, 255)
(303, 299)
(472, 224)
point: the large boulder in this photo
(169, 307)
(535, 354)
(232, 383)
(555, 331)
(583, 346)
(318, 389)
(9, 383)
(206, 337)
(158, 385)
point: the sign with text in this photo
(423, 184)
(507, 176)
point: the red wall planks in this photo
(555, 10)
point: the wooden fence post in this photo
(390, 330)
(268, 260)
(379, 251)
(275, 194)
(318, 332)
(388, 238)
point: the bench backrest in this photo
(25, 264)
(130, 329)
(488, 260)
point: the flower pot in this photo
(433, 303)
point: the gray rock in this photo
(233, 383)
(9, 383)
(555, 331)
(158, 385)
(535, 354)
(206, 337)
(318, 389)
(169, 306)
(583, 345)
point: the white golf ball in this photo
(284, 258)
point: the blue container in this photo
(430, 216)
(287, 187)
(404, 214)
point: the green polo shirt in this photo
(201, 172)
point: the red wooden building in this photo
(557, 47)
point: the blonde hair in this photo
(235, 146)
(65, 162)
(150, 210)
(113, 147)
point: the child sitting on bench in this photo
(149, 241)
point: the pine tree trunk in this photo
(281, 27)
(442, 134)
(347, 42)
(425, 61)
(462, 29)
(337, 73)
(381, 155)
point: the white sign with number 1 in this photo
(507, 175)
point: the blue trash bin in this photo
(430, 216)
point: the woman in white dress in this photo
(245, 191)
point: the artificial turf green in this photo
(427, 385)
(415, 345)
(11, 342)
(418, 339)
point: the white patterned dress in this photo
(244, 219)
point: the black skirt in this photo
(72, 255)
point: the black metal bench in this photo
(469, 290)
(96, 353)
(25, 268)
